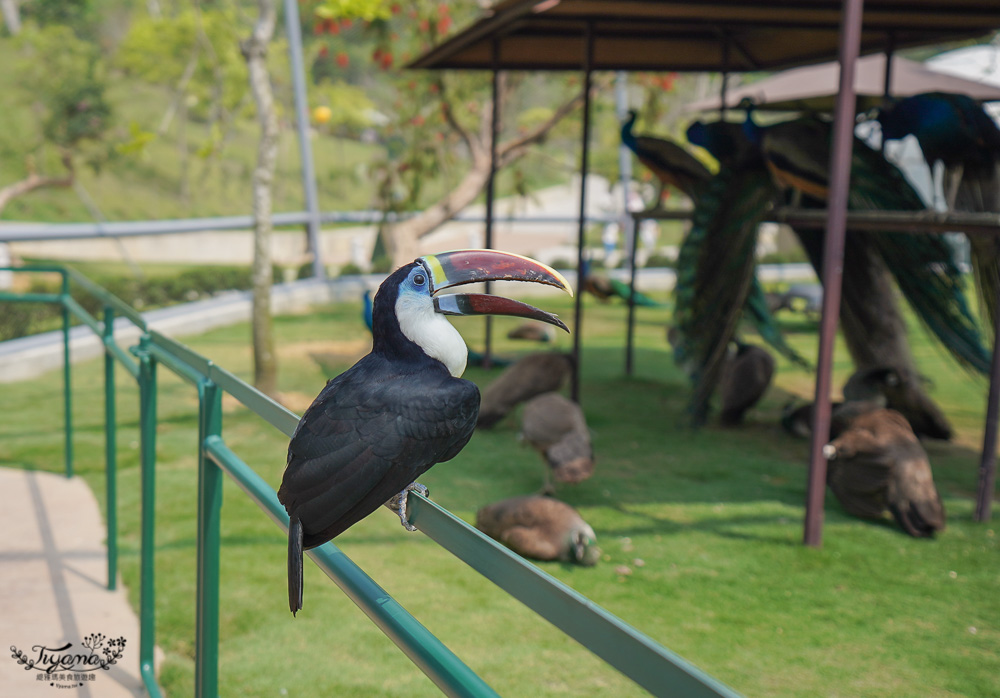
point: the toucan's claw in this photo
(400, 501)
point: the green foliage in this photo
(351, 109)
(65, 76)
(204, 44)
(707, 525)
(78, 14)
(368, 10)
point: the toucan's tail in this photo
(295, 535)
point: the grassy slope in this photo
(714, 515)
(147, 185)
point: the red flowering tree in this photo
(436, 133)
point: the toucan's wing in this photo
(365, 438)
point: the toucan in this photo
(374, 429)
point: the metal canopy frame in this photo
(732, 36)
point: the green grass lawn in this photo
(707, 522)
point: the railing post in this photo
(110, 449)
(67, 378)
(209, 510)
(147, 451)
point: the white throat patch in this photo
(431, 332)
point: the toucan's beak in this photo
(473, 266)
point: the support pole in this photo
(147, 554)
(988, 461)
(588, 53)
(110, 448)
(833, 264)
(209, 548)
(628, 226)
(67, 379)
(890, 53)
(724, 88)
(293, 28)
(491, 190)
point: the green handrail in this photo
(637, 656)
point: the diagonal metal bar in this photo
(640, 658)
(425, 650)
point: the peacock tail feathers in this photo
(623, 290)
(922, 265)
(767, 326)
(715, 273)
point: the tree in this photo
(255, 52)
(64, 75)
(10, 10)
(440, 124)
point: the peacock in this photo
(669, 161)
(797, 154)
(953, 129)
(715, 275)
(715, 258)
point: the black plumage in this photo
(374, 429)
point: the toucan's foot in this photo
(399, 503)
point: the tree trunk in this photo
(874, 328)
(401, 243)
(255, 53)
(11, 15)
(401, 239)
(36, 181)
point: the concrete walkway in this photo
(53, 589)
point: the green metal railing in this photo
(637, 656)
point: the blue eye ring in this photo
(419, 279)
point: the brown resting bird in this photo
(746, 376)
(878, 463)
(540, 528)
(901, 391)
(532, 331)
(798, 421)
(556, 427)
(530, 376)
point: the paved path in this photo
(53, 587)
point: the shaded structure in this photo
(814, 88)
(729, 36)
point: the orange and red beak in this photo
(459, 267)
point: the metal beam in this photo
(588, 55)
(293, 28)
(833, 264)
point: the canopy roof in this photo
(696, 35)
(814, 88)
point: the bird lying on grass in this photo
(798, 421)
(403, 407)
(878, 463)
(529, 376)
(899, 390)
(540, 528)
(533, 332)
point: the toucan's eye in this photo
(419, 280)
